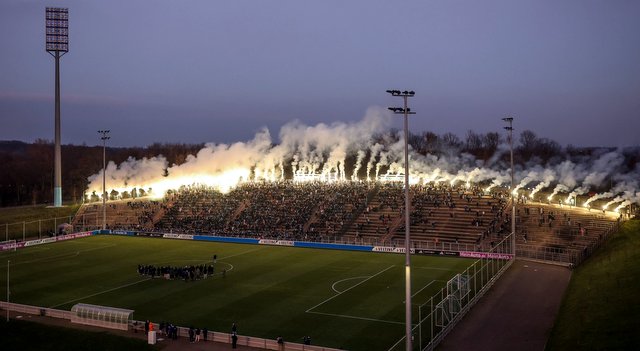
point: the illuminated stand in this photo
(316, 177)
(57, 44)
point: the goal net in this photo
(452, 303)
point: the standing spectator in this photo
(175, 332)
(280, 342)
(234, 340)
(146, 327)
(197, 334)
(205, 331)
(191, 334)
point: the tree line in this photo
(26, 175)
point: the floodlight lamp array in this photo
(57, 29)
(401, 93)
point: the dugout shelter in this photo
(101, 316)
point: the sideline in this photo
(101, 292)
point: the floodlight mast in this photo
(104, 139)
(406, 111)
(513, 200)
(8, 291)
(57, 44)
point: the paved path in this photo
(517, 313)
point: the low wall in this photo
(244, 340)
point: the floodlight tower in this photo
(105, 136)
(57, 44)
(513, 200)
(406, 111)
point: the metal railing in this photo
(30, 229)
(441, 313)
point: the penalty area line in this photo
(354, 317)
(340, 293)
(439, 269)
(333, 287)
(101, 292)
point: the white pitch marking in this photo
(64, 256)
(354, 317)
(101, 292)
(424, 287)
(334, 296)
(439, 269)
(340, 281)
(242, 253)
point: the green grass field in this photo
(600, 310)
(351, 300)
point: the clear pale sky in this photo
(217, 71)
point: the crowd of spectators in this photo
(198, 209)
(313, 211)
(343, 203)
(278, 209)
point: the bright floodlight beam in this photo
(57, 44)
(513, 200)
(104, 139)
(406, 111)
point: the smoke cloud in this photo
(366, 150)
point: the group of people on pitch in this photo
(185, 273)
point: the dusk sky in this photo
(217, 71)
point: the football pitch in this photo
(342, 299)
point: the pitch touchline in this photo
(242, 253)
(64, 256)
(354, 317)
(338, 294)
(438, 269)
(101, 292)
(424, 287)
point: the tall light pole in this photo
(513, 202)
(57, 44)
(8, 292)
(104, 139)
(406, 111)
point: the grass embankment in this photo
(26, 336)
(601, 309)
(38, 220)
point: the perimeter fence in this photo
(40, 228)
(437, 316)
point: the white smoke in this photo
(323, 151)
